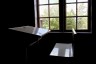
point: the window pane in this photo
(43, 11)
(82, 23)
(71, 10)
(43, 1)
(82, 9)
(54, 10)
(82, 0)
(54, 23)
(70, 23)
(68, 1)
(44, 23)
(53, 1)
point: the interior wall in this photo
(20, 13)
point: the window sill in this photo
(72, 32)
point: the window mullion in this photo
(49, 13)
(76, 14)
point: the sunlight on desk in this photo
(62, 50)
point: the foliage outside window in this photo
(77, 14)
(49, 14)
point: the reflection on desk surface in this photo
(62, 50)
(31, 30)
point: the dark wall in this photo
(94, 16)
(19, 13)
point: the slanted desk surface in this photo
(31, 30)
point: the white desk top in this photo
(31, 30)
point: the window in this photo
(63, 15)
(76, 14)
(48, 14)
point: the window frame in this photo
(38, 25)
(62, 17)
(89, 17)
